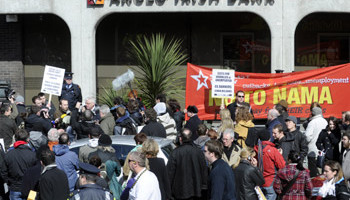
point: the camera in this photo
(10, 94)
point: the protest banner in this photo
(52, 81)
(329, 87)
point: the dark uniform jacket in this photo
(247, 177)
(91, 192)
(73, 95)
(187, 171)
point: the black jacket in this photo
(53, 185)
(300, 143)
(31, 179)
(154, 128)
(187, 171)
(329, 143)
(247, 177)
(7, 130)
(83, 129)
(157, 166)
(37, 123)
(286, 144)
(341, 192)
(90, 192)
(17, 161)
(179, 118)
(192, 124)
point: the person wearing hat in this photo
(70, 91)
(247, 177)
(315, 126)
(300, 143)
(89, 190)
(194, 120)
(104, 149)
(270, 160)
(22, 112)
(165, 119)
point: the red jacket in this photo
(272, 159)
(300, 190)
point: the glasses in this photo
(240, 96)
(131, 161)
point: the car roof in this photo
(123, 140)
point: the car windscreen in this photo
(122, 151)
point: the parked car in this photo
(123, 144)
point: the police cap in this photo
(68, 75)
(86, 168)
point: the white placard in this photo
(53, 80)
(223, 83)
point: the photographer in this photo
(39, 117)
(10, 95)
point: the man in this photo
(300, 143)
(221, 179)
(22, 111)
(187, 169)
(193, 122)
(40, 119)
(239, 102)
(107, 122)
(282, 108)
(70, 91)
(168, 122)
(312, 132)
(231, 150)
(53, 181)
(124, 124)
(346, 155)
(83, 127)
(90, 104)
(345, 121)
(85, 150)
(89, 190)
(46, 103)
(161, 98)
(62, 115)
(145, 184)
(37, 101)
(152, 127)
(284, 142)
(17, 161)
(66, 160)
(8, 126)
(269, 161)
(272, 121)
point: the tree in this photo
(157, 63)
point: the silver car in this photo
(123, 144)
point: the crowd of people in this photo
(235, 161)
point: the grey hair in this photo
(229, 131)
(274, 113)
(92, 99)
(139, 157)
(53, 134)
(104, 109)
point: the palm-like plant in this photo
(157, 63)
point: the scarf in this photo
(328, 188)
(93, 142)
(19, 143)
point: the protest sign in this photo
(53, 80)
(223, 83)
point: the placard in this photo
(53, 80)
(223, 83)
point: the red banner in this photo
(329, 87)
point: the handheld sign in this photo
(223, 83)
(53, 80)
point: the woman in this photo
(247, 177)
(243, 123)
(179, 116)
(328, 140)
(157, 165)
(302, 187)
(334, 186)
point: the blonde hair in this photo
(225, 114)
(150, 147)
(226, 124)
(335, 166)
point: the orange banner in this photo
(329, 87)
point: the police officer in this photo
(89, 190)
(70, 91)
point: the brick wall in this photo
(13, 71)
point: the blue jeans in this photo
(70, 133)
(269, 193)
(15, 195)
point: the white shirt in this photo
(146, 187)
